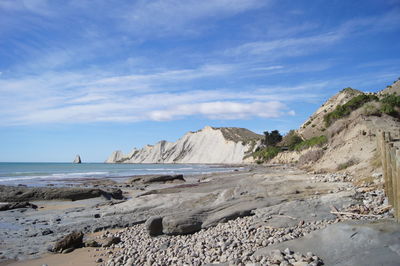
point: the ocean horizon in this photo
(55, 173)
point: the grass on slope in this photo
(315, 141)
(266, 154)
(346, 109)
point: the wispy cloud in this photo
(298, 46)
(39, 7)
(163, 17)
(285, 47)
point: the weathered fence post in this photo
(392, 152)
(383, 159)
(397, 211)
(389, 149)
(388, 168)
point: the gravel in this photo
(233, 242)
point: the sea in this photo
(58, 174)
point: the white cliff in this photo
(209, 145)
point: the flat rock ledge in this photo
(22, 194)
(148, 179)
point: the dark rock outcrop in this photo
(21, 194)
(147, 179)
(17, 205)
(70, 241)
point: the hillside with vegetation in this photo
(340, 135)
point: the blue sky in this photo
(89, 77)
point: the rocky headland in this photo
(209, 145)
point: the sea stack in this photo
(77, 159)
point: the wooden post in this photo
(394, 176)
(382, 138)
(389, 168)
(398, 184)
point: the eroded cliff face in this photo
(209, 145)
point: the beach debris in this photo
(72, 240)
(371, 197)
(154, 226)
(17, 205)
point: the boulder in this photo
(70, 241)
(181, 224)
(154, 225)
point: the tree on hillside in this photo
(291, 139)
(273, 138)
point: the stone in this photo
(181, 224)
(92, 243)
(46, 231)
(154, 225)
(68, 250)
(111, 241)
(72, 240)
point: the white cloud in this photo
(221, 110)
(62, 97)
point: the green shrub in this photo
(347, 164)
(388, 109)
(371, 109)
(315, 141)
(390, 103)
(345, 109)
(266, 154)
(292, 139)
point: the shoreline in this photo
(274, 197)
(74, 174)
